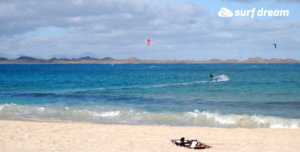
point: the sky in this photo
(178, 29)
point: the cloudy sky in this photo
(178, 29)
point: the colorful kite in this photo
(148, 41)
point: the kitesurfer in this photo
(212, 76)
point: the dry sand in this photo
(30, 136)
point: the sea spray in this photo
(222, 78)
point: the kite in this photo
(275, 45)
(148, 41)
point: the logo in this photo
(224, 12)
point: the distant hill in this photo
(65, 56)
(108, 60)
(26, 58)
(87, 58)
(3, 59)
(132, 60)
(89, 54)
(52, 59)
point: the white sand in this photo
(28, 136)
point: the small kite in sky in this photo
(275, 45)
(148, 41)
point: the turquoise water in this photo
(244, 95)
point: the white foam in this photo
(175, 84)
(2, 107)
(219, 78)
(41, 109)
(222, 119)
(110, 114)
(276, 122)
(222, 78)
(130, 116)
(244, 120)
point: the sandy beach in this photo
(28, 136)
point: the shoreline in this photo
(77, 136)
(54, 120)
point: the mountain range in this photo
(108, 60)
(12, 57)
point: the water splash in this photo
(222, 78)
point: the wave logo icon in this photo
(224, 12)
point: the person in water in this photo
(212, 76)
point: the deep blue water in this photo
(244, 95)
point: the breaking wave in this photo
(123, 115)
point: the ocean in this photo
(243, 96)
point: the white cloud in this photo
(116, 28)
